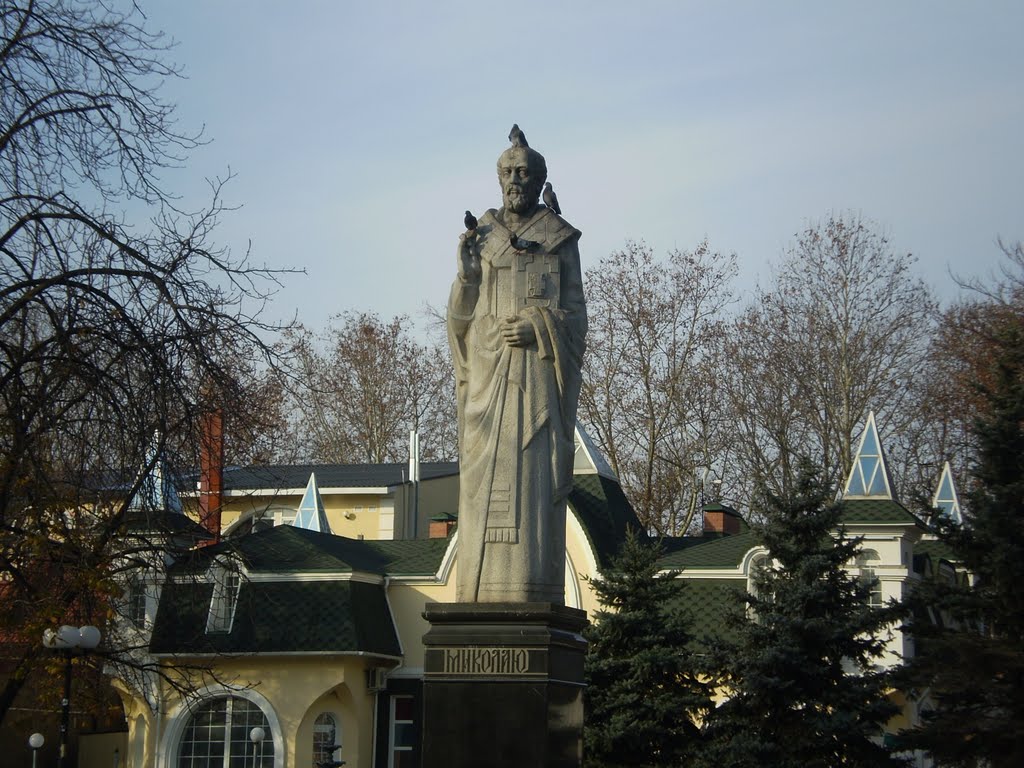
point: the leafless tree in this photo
(366, 383)
(650, 397)
(960, 368)
(108, 324)
(842, 328)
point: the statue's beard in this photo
(518, 198)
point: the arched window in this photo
(756, 567)
(325, 736)
(218, 736)
(758, 563)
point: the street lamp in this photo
(333, 762)
(35, 743)
(256, 736)
(67, 640)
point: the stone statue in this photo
(517, 323)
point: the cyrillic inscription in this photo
(486, 661)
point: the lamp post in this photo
(333, 762)
(35, 743)
(67, 640)
(256, 736)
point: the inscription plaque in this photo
(486, 661)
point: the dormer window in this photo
(226, 584)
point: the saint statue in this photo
(517, 323)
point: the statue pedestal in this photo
(503, 685)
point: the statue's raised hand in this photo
(468, 259)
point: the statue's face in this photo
(519, 189)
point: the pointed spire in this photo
(869, 475)
(156, 491)
(589, 460)
(311, 514)
(945, 498)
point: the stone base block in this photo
(503, 685)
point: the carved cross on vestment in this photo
(536, 280)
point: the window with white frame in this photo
(866, 562)
(135, 602)
(402, 735)
(325, 736)
(226, 584)
(261, 520)
(218, 735)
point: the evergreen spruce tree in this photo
(644, 696)
(798, 664)
(970, 663)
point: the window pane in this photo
(404, 734)
(403, 708)
(221, 727)
(137, 603)
(403, 731)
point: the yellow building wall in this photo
(352, 515)
(407, 603)
(389, 515)
(296, 690)
(102, 750)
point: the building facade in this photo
(296, 638)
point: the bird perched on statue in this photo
(517, 137)
(520, 244)
(470, 221)
(551, 199)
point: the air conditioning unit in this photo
(376, 679)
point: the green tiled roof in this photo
(706, 603)
(416, 557)
(708, 552)
(278, 617)
(878, 511)
(936, 550)
(728, 551)
(287, 615)
(604, 512)
(285, 549)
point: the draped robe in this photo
(517, 409)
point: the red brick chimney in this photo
(441, 526)
(211, 470)
(720, 519)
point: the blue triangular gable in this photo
(945, 498)
(869, 475)
(311, 515)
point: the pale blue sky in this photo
(360, 132)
